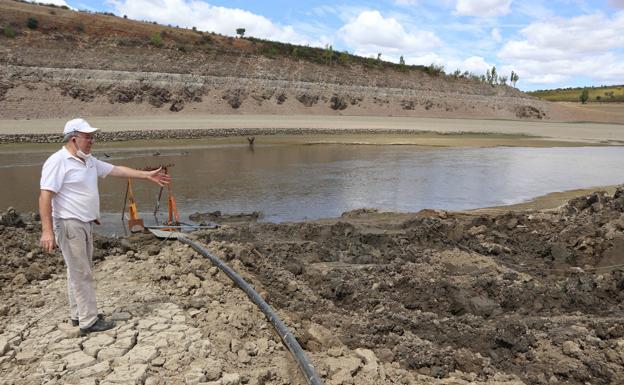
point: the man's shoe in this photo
(100, 325)
(75, 322)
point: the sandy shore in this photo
(570, 133)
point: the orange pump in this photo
(135, 224)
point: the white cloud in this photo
(207, 17)
(561, 49)
(496, 35)
(616, 3)
(474, 64)
(576, 36)
(482, 8)
(60, 3)
(370, 33)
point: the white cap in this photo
(79, 125)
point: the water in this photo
(297, 182)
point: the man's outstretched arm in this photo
(45, 211)
(155, 176)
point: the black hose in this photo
(287, 337)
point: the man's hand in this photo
(47, 241)
(159, 177)
(45, 210)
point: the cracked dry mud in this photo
(531, 297)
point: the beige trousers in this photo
(75, 239)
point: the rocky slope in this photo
(435, 297)
(76, 63)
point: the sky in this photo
(549, 44)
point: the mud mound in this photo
(526, 294)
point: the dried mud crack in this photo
(434, 297)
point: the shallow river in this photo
(295, 182)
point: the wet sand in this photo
(527, 133)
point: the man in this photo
(69, 204)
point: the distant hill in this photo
(603, 94)
(56, 62)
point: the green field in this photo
(596, 94)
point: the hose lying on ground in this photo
(287, 337)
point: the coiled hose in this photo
(287, 337)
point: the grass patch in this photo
(596, 94)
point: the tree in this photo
(494, 75)
(329, 53)
(584, 96)
(240, 32)
(514, 78)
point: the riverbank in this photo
(435, 297)
(368, 129)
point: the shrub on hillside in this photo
(32, 23)
(156, 39)
(8, 31)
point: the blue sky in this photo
(550, 44)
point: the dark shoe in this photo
(75, 322)
(100, 325)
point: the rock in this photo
(194, 376)
(99, 370)
(94, 344)
(493, 248)
(126, 245)
(512, 223)
(243, 356)
(529, 112)
(78, 360)
(141, 354)
(322, 336)
(121, 316)
(281, 98)
(4, 345)
(337, 364)
(128, 374)
(571, 348)
(213, 369)
(231, 379)
(476, 230)
(20, 280)
(251, 348)
(27, 356)
(370, 361)
(307, 99)
(337, 102)
(192, 281)
(177, 105)
(11, 218)
(153, 250)
(235, 97)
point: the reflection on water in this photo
(294, 182)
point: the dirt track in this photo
(375, 298)
(426, 131)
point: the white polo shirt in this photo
(75, 184)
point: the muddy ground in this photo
(433, 297)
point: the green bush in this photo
(156, 39)
(9, 31)
(32, 23)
